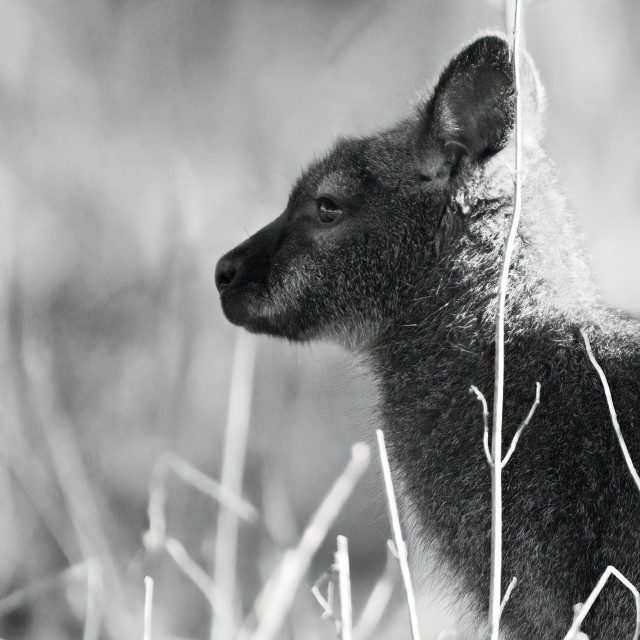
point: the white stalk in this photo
(495, 593)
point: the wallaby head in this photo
(366, 223)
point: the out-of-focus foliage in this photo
(142, 139)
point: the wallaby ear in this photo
(472, 110)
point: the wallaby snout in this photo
(242, 275)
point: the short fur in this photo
(406, 276)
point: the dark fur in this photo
(407, 277)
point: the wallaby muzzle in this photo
(241, 275)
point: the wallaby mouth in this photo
(242, 307)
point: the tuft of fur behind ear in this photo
(472, 110)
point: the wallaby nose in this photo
(226, 271)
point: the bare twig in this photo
(378, 599)
(485, 419)
(523, 426)
(91, 568)
(397, 536)
(277, 511)
(233, 461)
(516, 437)
(612, 410)
(584, 610)
(8, 513)
(195, 478)
(85, 509)
(156, 537)
(507, 594)
(95, 592)
(495, 589)
(340, 573)
(281, 587)
(344, 581)
(36, 484)
(29, 593)
(148, 608)
(326, 603)
(219, 602)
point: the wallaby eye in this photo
(328, 210)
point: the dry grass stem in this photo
(316, 590)
(219, 602)
(495, 589)
(523, 426)
(277, 511)
(95, 600)
(195, 478)
(92, 571)
(344, 581)
(278, 593)
(87, 515)
(28, 594)
(485, 420)
(84, 503)
(36, 484)
(593, 596)
(233, 462)
(156, 537)
(401, 547)
(612, 410)
(378, 599)
(340, 573)
(507, 594)
(148, 608)
(74, 481)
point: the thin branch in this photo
(91, 568)
(612, 410)
(523, 426)
(218, 601)
(397, 536)
(325, 603)
(277, 511)
(154, 537)
(485, 419)
(584, 610)
(576, 611)
(498, 396)
(278, 593)
(95, 598)
(148, 608)
(344, 582)
(37, 486)
(29, 593)
(340, 573)
(198, 480)
(507, 594)
(378, 599)
(233, 462)
(85, 512)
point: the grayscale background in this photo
(139, 141)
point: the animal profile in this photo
(391, 245)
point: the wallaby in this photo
(392, 245)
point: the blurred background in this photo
(139, 141)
